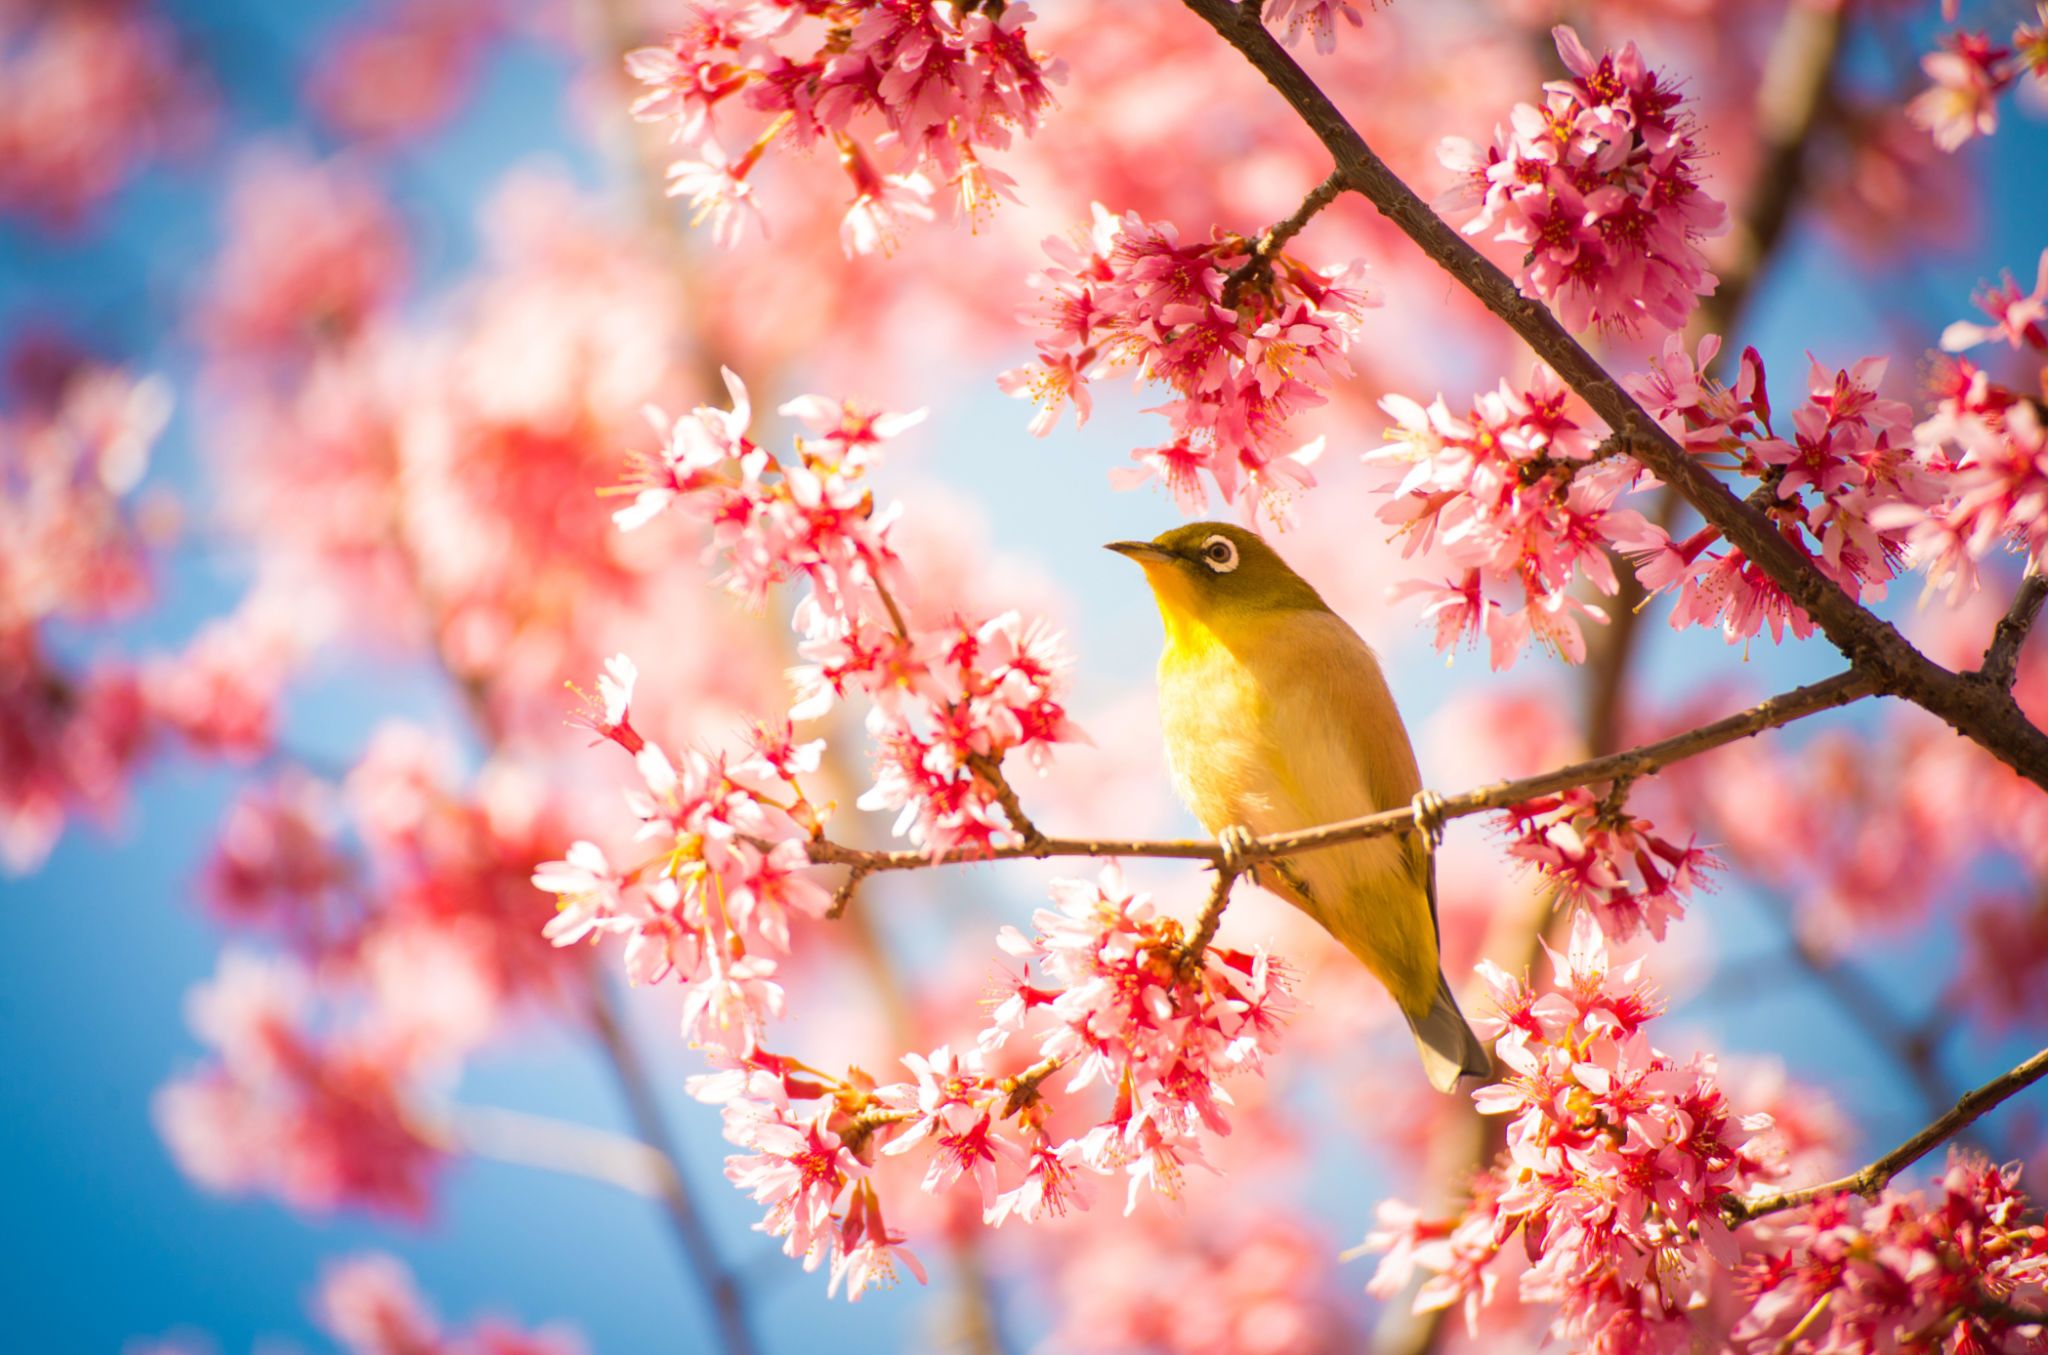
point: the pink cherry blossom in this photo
(1602, 187)
(1968, 75)
(1130, 294)
(2017, 320)
(1317, 16)
(1518, 497)
(1968, 1262)
(1606, 860)
(928, 87)
(1617, 1159)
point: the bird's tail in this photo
(1449, 1049)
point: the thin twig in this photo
(1276, 236)
(1874, 1177)
(1987, 715)
(651, 1126)
(991, 771)
(1206, 925)
(2002, 660)
(1782, 709)
(1805, 1325)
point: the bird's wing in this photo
(1367, 723)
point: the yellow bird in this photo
(1277, 718)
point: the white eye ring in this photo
(1220, 554)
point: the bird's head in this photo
(1213, 572)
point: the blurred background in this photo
(396, 279)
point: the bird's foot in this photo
(1428, 808)
(1236, 843)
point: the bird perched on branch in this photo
(1277, 718)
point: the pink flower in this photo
(932, 86)
(1609, 862)
(871, 223)
(868, 1250)
(1317, 16)
(1962, 102)
(1127, 293)
(1968, 1263)
(718, 189)
(1518, 498)
(798, 1171)
(370, 1305)
(1602, 188)
(1616, 1162)
(587, 893)
(2018, 320)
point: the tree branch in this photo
(514, 1136)
(1782, 709)
(2002, 660)
(1276, 236)
(1877, 1175)
(1211, 918)
(651, 1127)
(1982, 712)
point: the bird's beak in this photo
(1144, 552)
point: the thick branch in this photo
(651, 1127)
(1876, 1176)
(1982, 712)
(2002, 660)
(1782, 709)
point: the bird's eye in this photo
(1221, 554)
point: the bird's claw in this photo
(1428, 808)
(1236, 843)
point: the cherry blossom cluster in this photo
(1617, 1158)
(1243, 341)
(315, 1116)
(71, 548)
(1604, 859)
(711, 899)
(1520, 498)
(1118, 1002)
(948, 702)
(400, 73)
(370, 1305)
(1969, 73)
(1601, 185)
(411, 942)
(1990, 439)
(908, 94)
(95, 91)
(1842, 485)
(1966, 1270)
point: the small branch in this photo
(541, 1141)
(991, 771)
(1871, 1012)
(1023, 1088)
(1263, 250)
(1877, 1175)
(1206, 925)
(1782, 709)
(1806, 1324)
(651, 1126)
(2002, 660)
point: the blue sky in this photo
(105, 1241)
